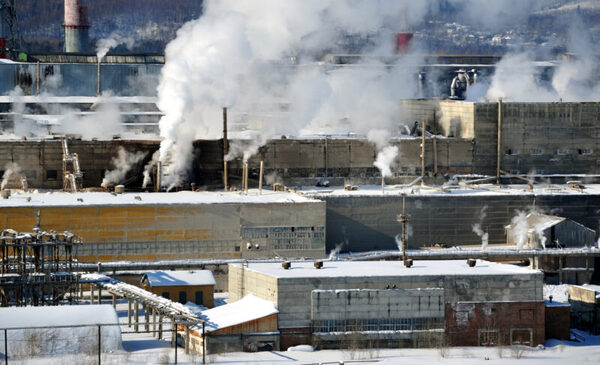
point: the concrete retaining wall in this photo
(365, 223)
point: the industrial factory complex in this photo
(305, 240)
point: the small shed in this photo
(196, 286)
(58, 330)
(540, 230)
(249, 324)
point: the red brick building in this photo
(495, 323)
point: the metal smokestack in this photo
(76, 27)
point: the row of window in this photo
(560, 151)
(378, 324)
(182, 297)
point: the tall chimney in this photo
(405, 36)
(76, 27)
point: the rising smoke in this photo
(113, 40)
(123, 163)
(239, 55)
(479, 231)
(12, 175)
(520, 229)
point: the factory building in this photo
(182, 225)
(388, 304)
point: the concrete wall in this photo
(543, 138)
(364, 223)
(155, 232)
(37, 158)
(363, 304)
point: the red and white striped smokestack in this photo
(75, 14)
(405, 36)
(76, 26)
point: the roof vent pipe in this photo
(286, 265)
(471, 262)
(318, 264)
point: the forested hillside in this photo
(151, 22)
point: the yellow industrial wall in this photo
(184, 231)
(149, 223)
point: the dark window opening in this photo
(182, 297)
(199, 297)
(166, 295)
(51, 175)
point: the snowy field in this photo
(143, 348)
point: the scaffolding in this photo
(36, 268)
(72, 176)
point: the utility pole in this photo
(403, 219)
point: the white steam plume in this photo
(123, 162)
(517, 77)
(12, 175)
(386, 154)
(246, 148)
(103, 123)
(334, 253)
(235, 56)
(479, 231)
(520, 229)
(273, 178)
(114, 39)
(148, 169)
(484, 236)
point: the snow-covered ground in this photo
(143, 348)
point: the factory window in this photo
(536, 152)
(51, 175)
(166, 294)
(584, 151)
(237, 249)
(488, 337)
(511, 152)
(561, 151)
(521, 336)
(182, 297)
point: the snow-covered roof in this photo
(64, 315)
(58, 198)
(247, 309)
(385, 268)
(453, 190)
(180, 278)
(537, 221)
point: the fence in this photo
(85, 342)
